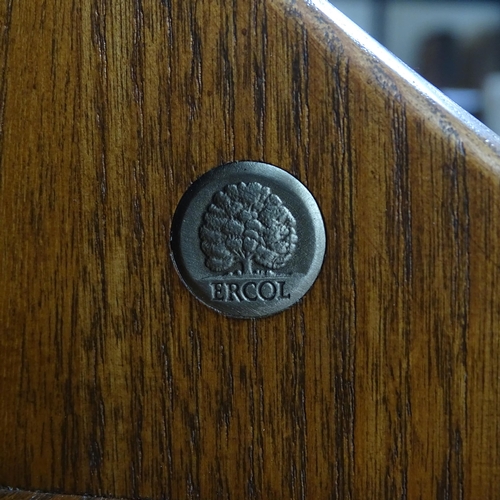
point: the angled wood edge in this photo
(328, 25)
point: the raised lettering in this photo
(249, 291)
(267, 290)
(234, 288)
(218, 291)
(281, 286)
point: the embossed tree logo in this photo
(247, 224)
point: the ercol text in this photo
(248, 291)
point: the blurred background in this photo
(455, 44)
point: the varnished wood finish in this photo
(382, 383)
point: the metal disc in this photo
(248, 239)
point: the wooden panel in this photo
(382, 382)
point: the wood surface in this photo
(383, 382)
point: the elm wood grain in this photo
(382, 382)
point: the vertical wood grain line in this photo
(400, 258)
(4, 64)
(457, 196)
(341, 239)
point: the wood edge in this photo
(328, 25)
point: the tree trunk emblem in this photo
(246, 224)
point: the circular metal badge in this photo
(248, 239)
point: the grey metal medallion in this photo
(248, 239)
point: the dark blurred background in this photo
(455, 44)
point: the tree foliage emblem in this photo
(247, 224)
